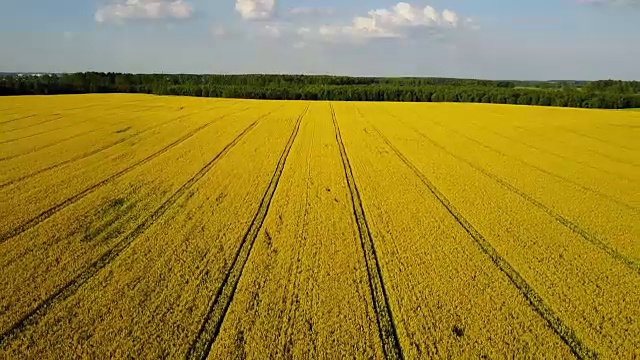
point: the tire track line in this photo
(542, 170)
(529, 132)
(64, 126)
(91, 153)
(290, 296)
(566, 333)
(59, 142)
(79, 135)
(614, 158)
(71, 287)
(75, 198)
(598, 139)
(60, 113)
(20, 109)
(544, 137)
(34, 125)
(549, 152)
(386, 326)
(212, 323)
(575, 228)
(18, 119)
(32, 135)
(97, 104)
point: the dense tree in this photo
(599, 94)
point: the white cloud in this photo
(255, 9)
(394, 22)
(311, 11)
(450, 17)
(123, 10)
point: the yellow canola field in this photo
(559, 264)
(307, 269)
(136, 226)
(80, 232)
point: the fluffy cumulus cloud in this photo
(255, 9)
(123, 10)
(395, 22)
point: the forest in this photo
(605, 94)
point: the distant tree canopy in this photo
(606, 94)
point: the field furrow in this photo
(566, 333)
(585, 287)
(115, 160)
(19, 170)
(621, 190)
(60, 123)
(526, 140)
(441, 286)
(31, 109)
(580, 209)
(108, 123)
(205, 248)
(387, 328)
(155, 227)
(87, 154)
(87, 245)
(114, 121)
(610, 143)
(224, 296)
(311, 299)
(632, 263)
(586, 150)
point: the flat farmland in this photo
(136, 226)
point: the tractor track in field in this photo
(63, 110)
(71, 287)
(62, 127)
(295, 268)
(598, 152)
(386, 326)
(566, 333)
(18, 119)
(85, 155)
(93, 152)
(75, 198)
(595, 151)
(614, 158)
(549, 152)
(210, 328)
(544, 171)
(34, 125)
(75, 136)
(577, 133)
(32, 135)
(529, 132)
(102, 104)
(575, 228)
(58, 142)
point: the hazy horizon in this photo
(496, 40)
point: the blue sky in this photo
(499, 39)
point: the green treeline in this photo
(606, 94)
